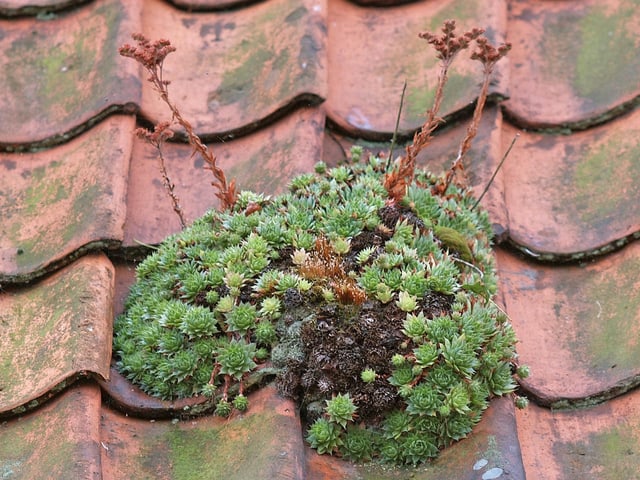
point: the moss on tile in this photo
(55, 80)
(38, 449)
(262, 70)
(610, 454)
(76, 201)
(208, 448)
(604, 182)
(46, 328)
(418, 100)
(600, 61)
(606, 312)
(607, 65)
(461, 10)
(271, 178)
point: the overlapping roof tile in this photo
(273, 87)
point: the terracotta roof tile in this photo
(59, 440)
(274, 86)
(364, 95)
(54, 83)
(59, 203)
(574, 62)
(576, 324)
(585, 200)
(267, 436)
(600, 441)
(57, 330)
(237, 73)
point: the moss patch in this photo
(54, 70)
(610, 454)
(606, 64)
(604, 180)
(606, 313)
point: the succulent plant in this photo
(367, 286)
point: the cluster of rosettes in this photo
(207, 306)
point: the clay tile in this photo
(574, 63)
(55, 331)
(58, 77)
(573, 196)
(61, 202)
(60, 440)
(373, 51)
(231, 74)
(577, 325)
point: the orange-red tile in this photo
(236, 70)
(571, 195)
(574, 63)
(578, 325)
(263, 443)
(373, 51)
(55, 331)
(60, 76)
(59, 440)
(600, 442)
(262, 162)
(60, 202)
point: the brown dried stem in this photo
(161, 132)
(151, 56)
(488, 55)
(448, 45)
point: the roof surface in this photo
(273, 87)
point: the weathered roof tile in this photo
(60, 440)
(574, 63)
(232, 73)
(55, 331)
(58, 203)
(60, 77)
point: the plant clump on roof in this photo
(367, 287)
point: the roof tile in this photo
(577, 325)
(232, 72)
(60, 440)
(584, 188)
(61, 202)
(598, 442)
(364, 95)
(59, 329)
(574, 62)
(54, 83)
(267, 435)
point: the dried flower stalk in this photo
(151, 56)
(447, 46)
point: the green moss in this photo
(54, 70)
(418, 100)
(607, 61)
(22, 456)
(605, 315)
(262, 74)
(605, 57)
(56, 310)
(609, 454)
(52, 188)
(196, 454)
(461, 10)
(603, 186)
